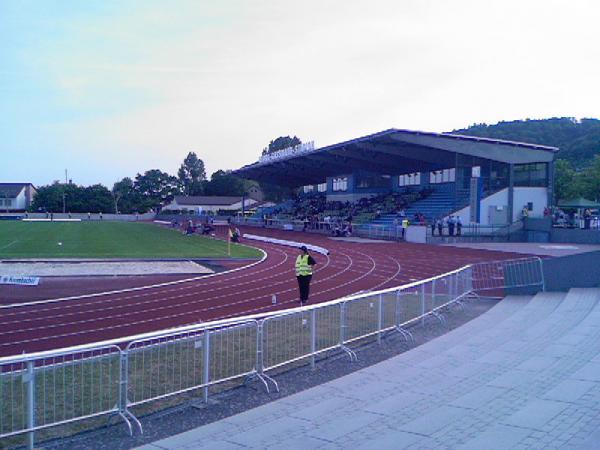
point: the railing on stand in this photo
(52, 388)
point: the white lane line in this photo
(139, 288)
(9, 244)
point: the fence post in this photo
(398, 318)
(541, 266)
(313, 336)
(423, 304)
(342, 322)
(469, 279)
(30, 380)
(123, 381)
(259, 347)
(206, 371)
(379, 317)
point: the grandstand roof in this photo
(390, 152)
(187, 200)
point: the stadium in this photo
(82, 348)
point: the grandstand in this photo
(484, 181)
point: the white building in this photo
(16, 197)
(209, 203)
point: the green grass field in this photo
(108, 240)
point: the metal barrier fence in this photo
(51, 388)
(385, 231)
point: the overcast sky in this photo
(111, 88)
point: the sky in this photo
(108, 89)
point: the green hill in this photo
(578, 140)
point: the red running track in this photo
(350, 268)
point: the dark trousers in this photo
(304, 286)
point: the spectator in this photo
(451, 224)
(440, 226)
(587, 218)
(404, 227)
(458, 226)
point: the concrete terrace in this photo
(524, 375)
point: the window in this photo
(475, 171)
(340, 184)
(308, 189)
(322, 187)
(442, 176)
(410, 179)
(531, 175)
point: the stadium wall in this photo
(574, 271)
(538, 196)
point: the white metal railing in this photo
(50, 388)
(381, 231)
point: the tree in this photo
(127, 199)
(590, 180)
(273, 192)
(280, 143)
(96, 198)
(224, 183)
(156, 188)
(77, 199)
(192, 175)
(48, 198)
(566, 181)
(578, 140)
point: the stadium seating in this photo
(439, 203)
(316, 208)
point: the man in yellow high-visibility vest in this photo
(304, 266)
(405, 224)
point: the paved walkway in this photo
(525, 375)
(529, 248)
